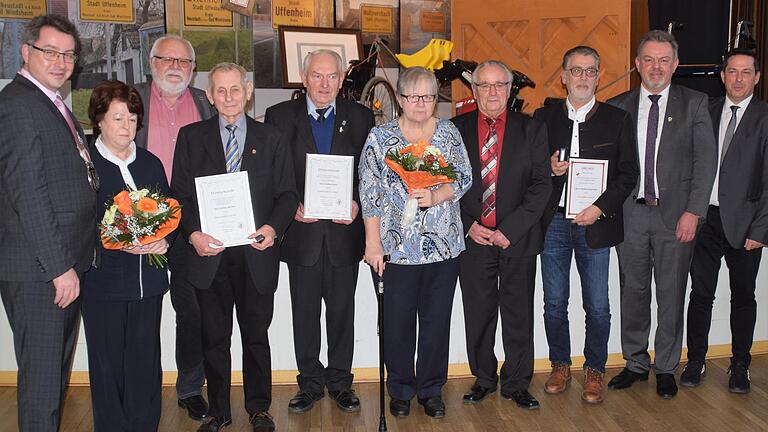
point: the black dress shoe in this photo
(477, 393)
(346, 399)
(433, 406)
(262, 422)
(691, 376)
(196, 406)
(304, 401)
(739, 380)
(522, 398)
(626, 378)
(214, 424)
(666, 386)
(399, 407)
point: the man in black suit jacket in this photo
(323, 256)
(241, 276)
(170, 104)
(501, 214)
(581, 127)
(737, 221)
(47, 220)
(677, 158)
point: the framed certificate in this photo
(587, 180)
(226, 212)
(328, 187)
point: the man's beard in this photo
(173, 89)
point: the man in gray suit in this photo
(677, 155)
(737, 221)
(170, 104)
(47, 220)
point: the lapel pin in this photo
(253, 151)
(669, 119)
(341, 128)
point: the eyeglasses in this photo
(53, 55)
(577, 72)
(486, 87)
(168, 61)
(416, 98)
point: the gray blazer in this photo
(743, 182)
(204, 107)
(687, 155)
(48, 215)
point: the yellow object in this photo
(430, 57)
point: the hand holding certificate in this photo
(226, 212)
(587, 180)
(328, 187)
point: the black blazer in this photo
(523, 185)
(267, 159)
(743, 181)
(48, 216)
(608, 133)
(117, 276)
(303, 242)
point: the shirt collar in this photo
(644, 93)
(581, 113)
(311, 107)
(742, 105)
(501, 119)
(108, 155)
(51, 94)
(240, 123)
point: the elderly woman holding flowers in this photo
(122, 293)
(413, 171)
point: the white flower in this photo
(431, 150)
(138, 194)
(109, 215)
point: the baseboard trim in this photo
(459, 370)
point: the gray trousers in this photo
(650, 249)
(44, 337)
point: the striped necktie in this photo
(488, 172)
(231, 152)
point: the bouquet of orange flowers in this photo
(420, 166)
(139, 217)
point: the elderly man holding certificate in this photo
(584, 216)
(219, 165)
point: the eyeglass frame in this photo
(414, 99)
(498, 86)
(590, 72)
(53, 55)
(169, 61)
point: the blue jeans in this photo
(562, 240)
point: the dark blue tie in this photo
(649, 189)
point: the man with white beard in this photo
(170, 104)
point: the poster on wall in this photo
(374, 18)
(108, 11)
(423, 20)
(16, 9)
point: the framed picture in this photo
(243, 7)
(297, 42)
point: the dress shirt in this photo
(122, 164)
(311, 107)
(437, 233)
(725, 118)
(642, 130)
(164, 123)
(577, 116)
(482, 131)
(239, 133)
(50, 94)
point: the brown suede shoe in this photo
(558, 379)
(593, 386)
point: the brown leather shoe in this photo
(593, 386)
(558, 379)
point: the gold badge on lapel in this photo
(669, 119)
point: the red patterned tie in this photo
(488, 172)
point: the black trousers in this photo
(189, 338)
(711, 247)
(124, 363)
(310, 286)
(491, 281)
(425, 292)
(233, 287)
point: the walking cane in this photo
(380, 330)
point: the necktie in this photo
(231, 152)
(729, 131)
(488, 174)
(649, 189)
(71, 123)
(321, 113)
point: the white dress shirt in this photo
(122, 164)
(642, 131)
(725, 118)
(578, 116)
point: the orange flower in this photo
(124, 204)
(415, 149)
(147, 205)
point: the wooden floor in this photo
(708, 407)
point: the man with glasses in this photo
(323, 256)
(504, 235)
(581, 127)
(48, 220)
(170, 104)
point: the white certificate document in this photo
(226, 213)
(328, 187)
(587, 180)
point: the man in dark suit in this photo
(737, 221)
(48, 220)
(501, 215)
(170, 104)
(323, 256)
(242, 276)
(677, 158)
(581, 127)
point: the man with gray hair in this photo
(677, 155)
(323, 256)
(170, 104)
(581, 127)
